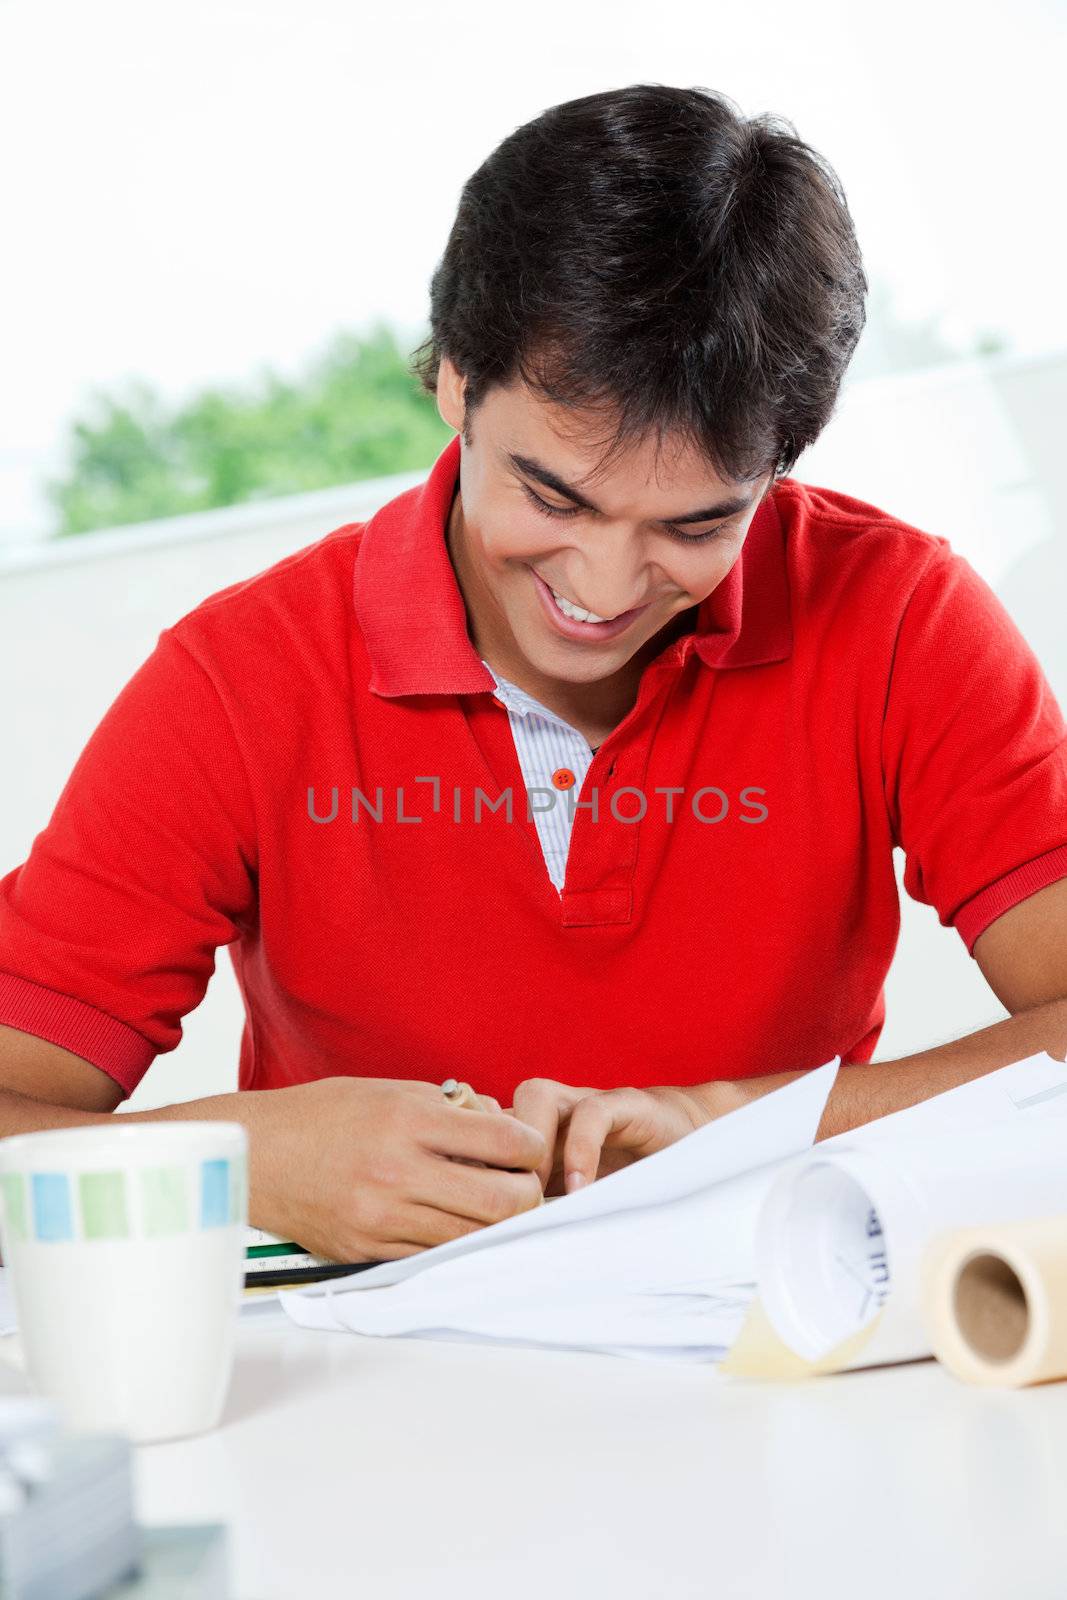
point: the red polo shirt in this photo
(730, 910)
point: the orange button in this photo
(563, 778)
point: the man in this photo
(575, 773)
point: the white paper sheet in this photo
(654, 1256)
(655, 1272)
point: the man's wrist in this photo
(722, 1095)
(687, 1100)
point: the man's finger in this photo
(537, 1102)
(500, 1141)
(482, 1194)
(593, 1122)
(427, 1226)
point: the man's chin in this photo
(577, 663)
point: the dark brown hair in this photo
(650, 255)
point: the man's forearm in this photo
(873, 1089)
(21, 1113)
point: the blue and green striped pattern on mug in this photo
(135, 1203)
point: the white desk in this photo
(411, 1470)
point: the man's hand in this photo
(371, 1169)
(590, 1132)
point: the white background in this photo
(191, 189)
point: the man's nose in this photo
(609, 587)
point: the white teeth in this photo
(576, 612)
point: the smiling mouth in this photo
(577, 613)
(576, 621)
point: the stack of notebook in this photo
(67, 1529)
(271, 1262)
(66, 1508)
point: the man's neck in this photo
(599, 706)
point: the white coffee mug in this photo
(125, 1247)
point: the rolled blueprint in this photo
(995, 1301)
(842, 1232)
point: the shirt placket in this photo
(553, 759)
(602, 849)
(609, 819)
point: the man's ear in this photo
(451, 388)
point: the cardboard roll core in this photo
(990, 1306)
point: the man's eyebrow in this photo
(543, 475)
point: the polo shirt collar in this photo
(410, 608)
(522, 704)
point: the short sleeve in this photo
(109, 928)
(974, 753)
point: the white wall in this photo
(971, 452)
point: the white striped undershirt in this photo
(545, 743)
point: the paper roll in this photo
(843, 1234)
(995, 1302)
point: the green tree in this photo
(358, 412)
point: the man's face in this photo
(651, 540)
